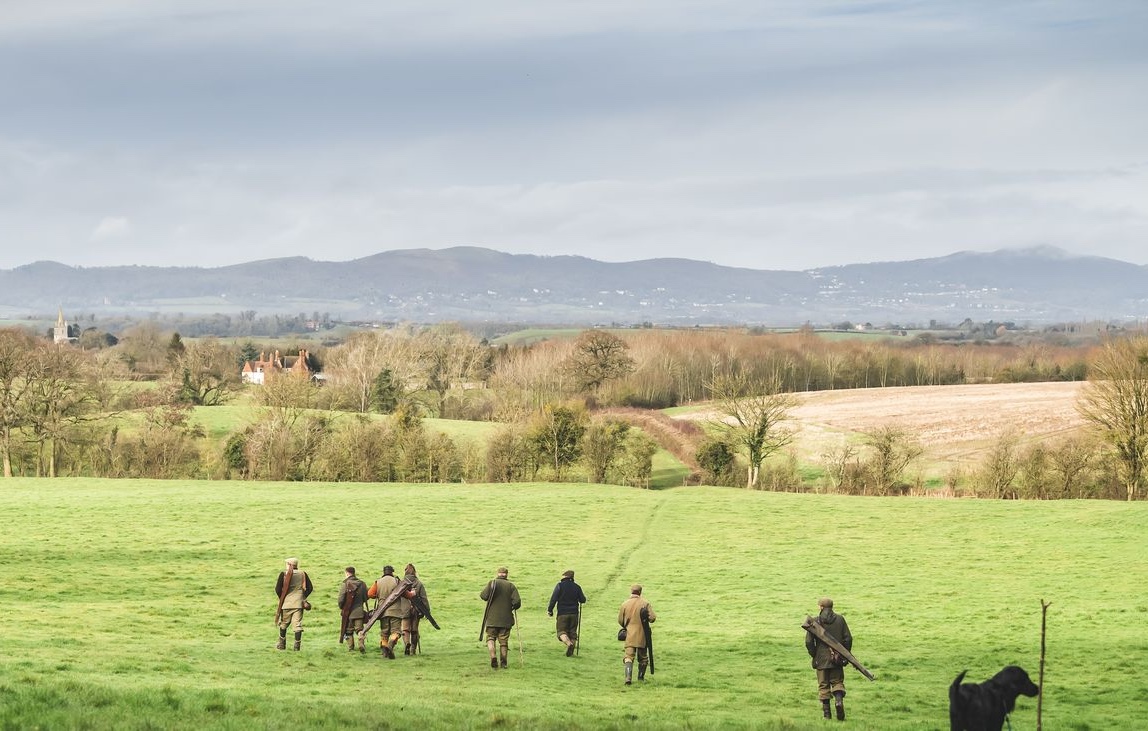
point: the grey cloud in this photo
(787, 134)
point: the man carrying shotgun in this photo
(415, 595)
(568, 597)
(352, 609)
(391, 623)
(828, 663)
(502, 601)
(293, 587)
(635, 617)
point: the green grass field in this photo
(148, 605)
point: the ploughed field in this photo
(955, 425)
(144, 604)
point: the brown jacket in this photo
(630, 617)
(354, 585)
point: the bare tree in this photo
(555, 436)
(15, 347)
(893, 449)
(602, 444)
(204, 373)
(1115, 402)
(354, 367)
(449, 356)
(61, 395)
(754, 413)
(997, 474)
(599, 356)
(1072, 460)
(145, 348)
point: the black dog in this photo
(983, 706)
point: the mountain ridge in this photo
(1037, 284)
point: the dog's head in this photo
(1015, 679)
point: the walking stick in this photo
(1040, 685)
(518, 634)
(578, 631)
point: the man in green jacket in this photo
(352, 598)
(630, 617)
(502, 600)
(828, 664)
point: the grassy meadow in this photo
(149, 605)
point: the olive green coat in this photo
(505, 600)
(835, 626)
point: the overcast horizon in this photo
(785, 135)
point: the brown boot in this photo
(282, 643)
(502, 658)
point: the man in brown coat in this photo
(630, 617)
(391, 623)
(828, 664)
(352, 598)
(292, 587)
(411, 616)
(502, 601)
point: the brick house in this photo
(268, 367)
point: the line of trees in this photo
(56, 403)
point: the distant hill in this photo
(1043, 284)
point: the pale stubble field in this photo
(955, 425)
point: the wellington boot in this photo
(641, 671)
(826, 712)
(839, 702)
(629, 666)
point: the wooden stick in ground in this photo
(518, 634)
(1040, 683)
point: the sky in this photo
(768, 134)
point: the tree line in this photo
(81, 411)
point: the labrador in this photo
(983, 706)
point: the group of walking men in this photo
(400, 620)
